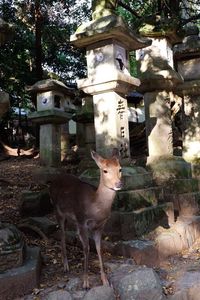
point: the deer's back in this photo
(71, 195)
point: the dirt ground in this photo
(16, 175)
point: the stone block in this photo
(181, 186)
(189, 69)
(12, 247)
(136, 178)
(136, 199)
(169, 243)
(142, 251)
(35, 203)
(19, 281)
(129, 225)
(167, 168)
(187, 204)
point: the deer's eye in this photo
(120, 170)
(105, 171)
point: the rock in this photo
(35, 203)
(143, 252)
(141, 283)
(100, 292)
(58, 295)
(73, 284)
(187, 287)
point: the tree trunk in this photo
(38, 40)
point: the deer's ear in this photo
(98, 159)
(115, 153)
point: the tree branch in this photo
(125, 6)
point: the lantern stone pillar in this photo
(187, 57)
(158, 83)
(52, 103)
(108, 41)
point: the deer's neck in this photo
(105, 196)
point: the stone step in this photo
(137, 199)
(181, 186)
(166, 242)
(187, 204)
(130, 225)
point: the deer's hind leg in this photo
(62, 223)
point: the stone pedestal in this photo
(187, 56)
(54, 108)
(108, 42)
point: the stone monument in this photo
(54, 108)
(187, 57)
(158, 83)
(108, 41)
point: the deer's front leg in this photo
(83, 235)
(97, 238)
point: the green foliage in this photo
(59, 59)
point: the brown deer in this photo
(87, 206)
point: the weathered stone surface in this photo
(182, 235)
(20, 281)
(143, 252)
(12, 247)
(100, 292)
(139, 284)
(175, 168)
(187, 204)
(169, 243)
(189, 69)
(136, 199)
(136, 178)
(35, 203)
(187, 287)
(58, 295)
(107, 27)
(49, 85)
(129, 225)
(181, 186)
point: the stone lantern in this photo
(159, 81)
(108, 42)
(54, 107)
(187, 57)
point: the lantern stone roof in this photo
(51, 85)
(190, 47)
(105, 28)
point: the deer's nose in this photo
(118, 185)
